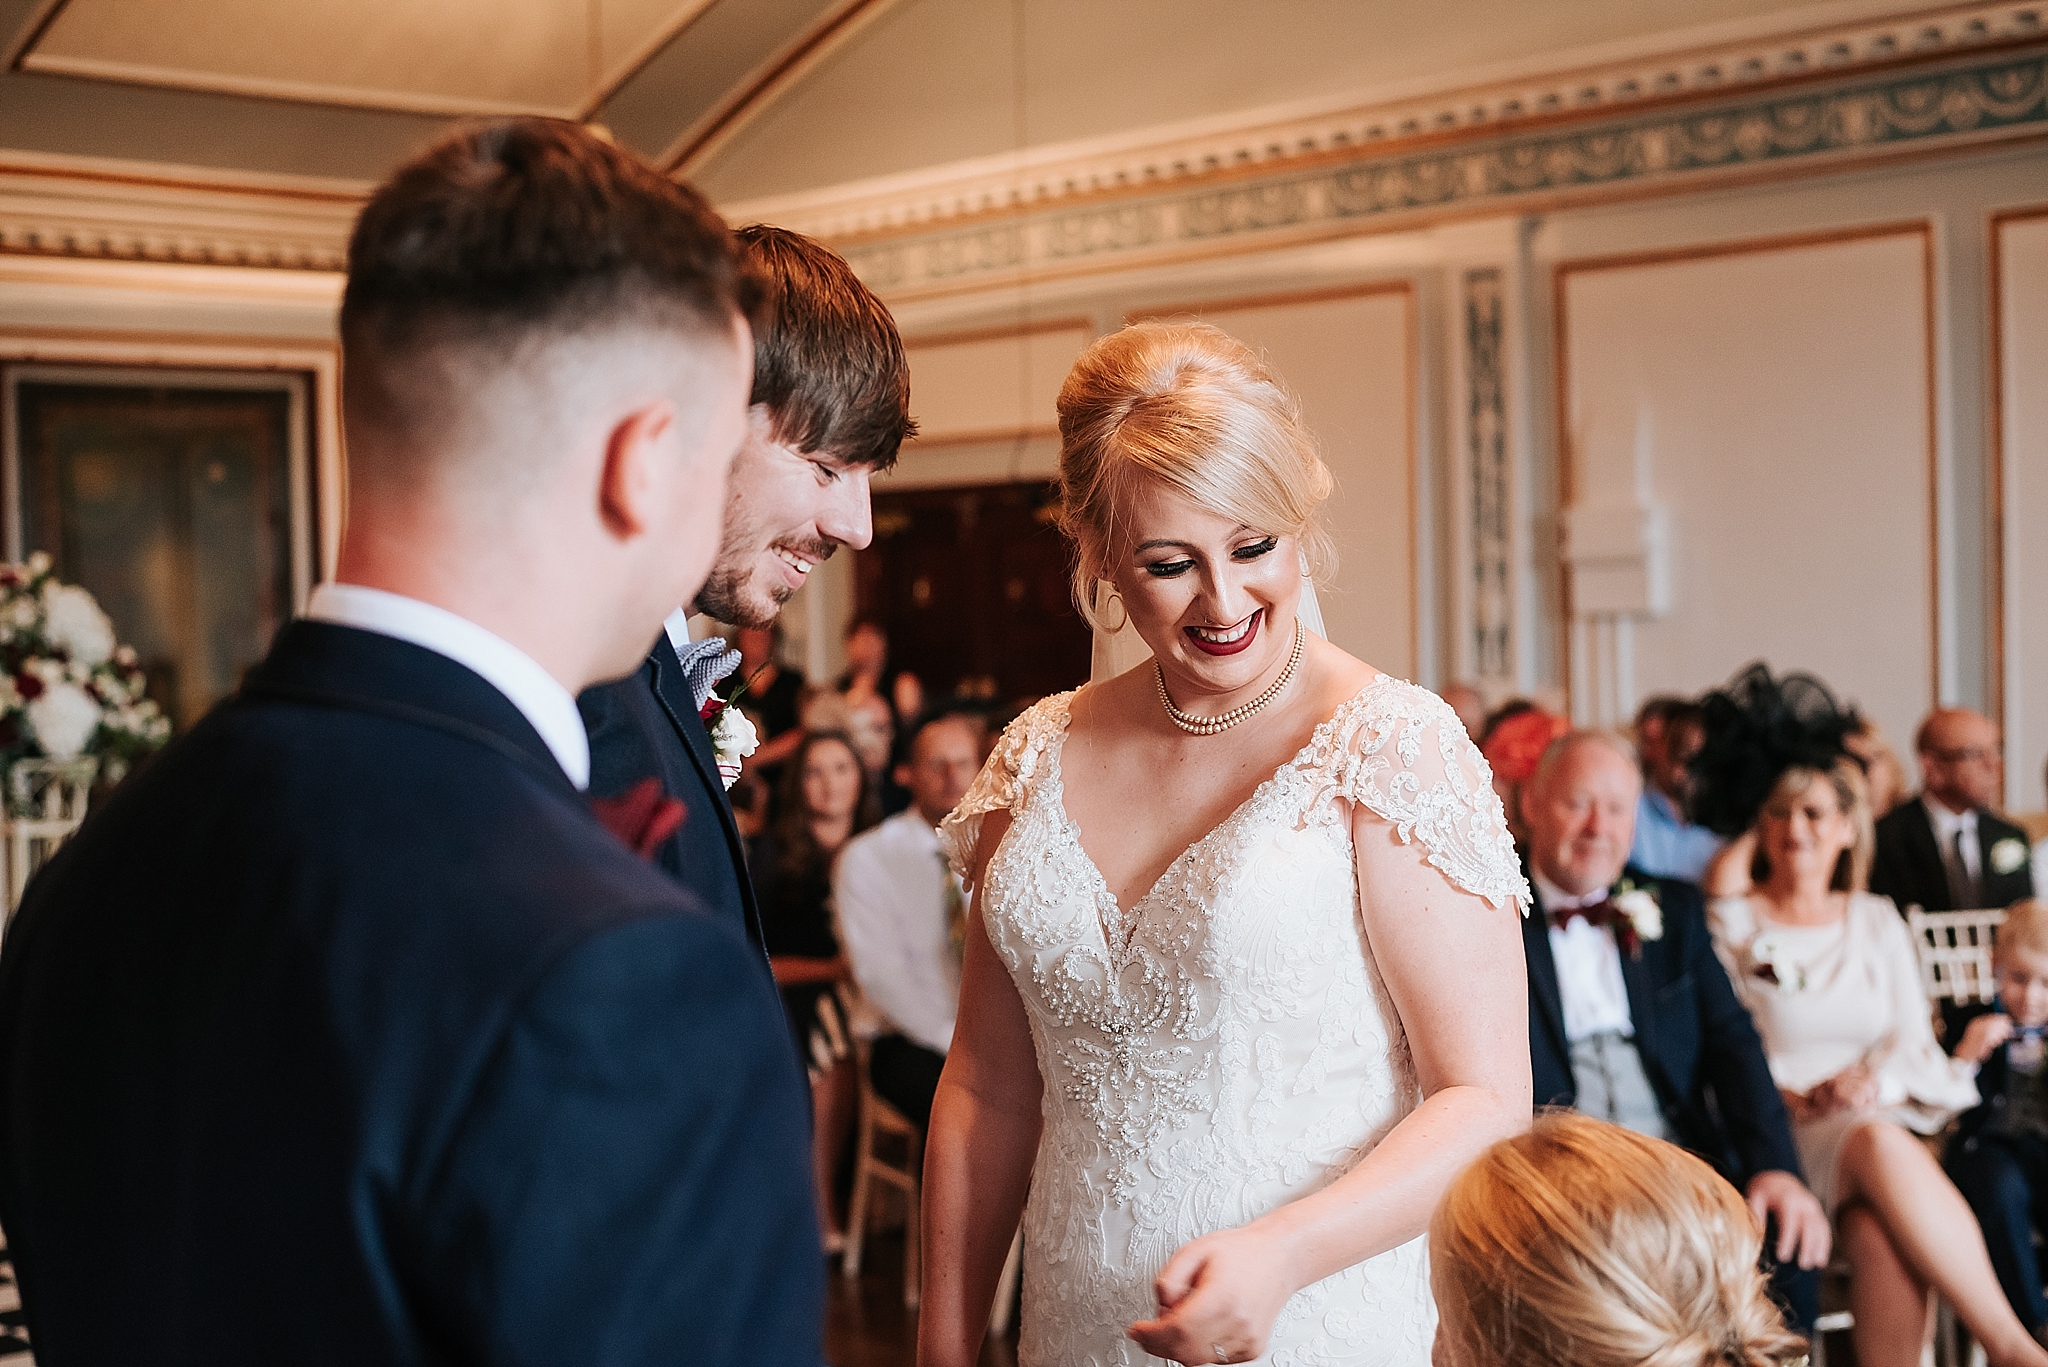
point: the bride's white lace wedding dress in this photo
(1225, 1045)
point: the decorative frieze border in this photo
(129, 211)
(1990, 96)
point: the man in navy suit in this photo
(830, 405)
(1631, 1016)
(346, 1033)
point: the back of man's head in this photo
(508, 236)
(828, 361)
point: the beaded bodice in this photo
(1224, 1045)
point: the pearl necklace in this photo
(1209, 726)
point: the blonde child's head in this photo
(1581, 1244)
(2019, 962)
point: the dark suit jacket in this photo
(345, 1034)
(1994, 1083)
(1698, 1047)
(1907, 866)
(646, 725)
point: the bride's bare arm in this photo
(979, 1150)
(1453, 968)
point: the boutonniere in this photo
(1775, 964)
(732, 737)
(1642, 916)
(2008, 855)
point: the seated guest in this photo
(1667, 843)
(1947, 850)
(1580, 1244)
(901, 916)
(825, 801)
(1516, 736)
(1882, 772)
(1630, 1017)
(1830, 976)
(1999, 1155)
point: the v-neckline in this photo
(1119, 939)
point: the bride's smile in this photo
(1214, 599)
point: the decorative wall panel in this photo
(2020, 282)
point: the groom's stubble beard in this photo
(730, 594)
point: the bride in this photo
(1243, 988)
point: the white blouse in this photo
(1826, 997)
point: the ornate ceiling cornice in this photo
(1950, 98)
(137, 211)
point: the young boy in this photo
(1999, 1156)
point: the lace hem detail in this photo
(1401, 752)
(1002, 781)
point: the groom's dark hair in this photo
(828, 362)
(506, 231)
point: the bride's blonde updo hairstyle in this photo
(1192, 407)
(1581, 1244)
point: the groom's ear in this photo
(639, 459)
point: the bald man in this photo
(1631, 1017)
(1946, 850)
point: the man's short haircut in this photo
(828, 361)
(975, 722)
(523, 227)
(1667, 709)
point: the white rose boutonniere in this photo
(1643, 913)
(732, 738)
(2008, 856)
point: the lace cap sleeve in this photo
(1401, 752)
(1002, 781)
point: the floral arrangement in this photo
(1639, 915)
(733, 737)
(66, 688)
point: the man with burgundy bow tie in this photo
(1631, 1017)
(830, 406)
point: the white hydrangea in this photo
(63, 720)
(75, 624)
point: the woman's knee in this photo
(1882, 1143)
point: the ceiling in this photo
(760, 98)
(347, 88)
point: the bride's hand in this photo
(1218, 1298)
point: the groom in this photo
(830, 406)
(346, 1033)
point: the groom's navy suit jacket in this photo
(646, 726)
(1694, 1037)
(345, 1034)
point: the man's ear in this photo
(635, 456)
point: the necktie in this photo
(706, 664)
(1967, 893)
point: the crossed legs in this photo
(1906, 1230)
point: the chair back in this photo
(1955, 952)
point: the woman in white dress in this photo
(1243, 988)
(1829, 973)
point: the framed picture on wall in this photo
(184, 500)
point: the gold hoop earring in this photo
(1123, 614)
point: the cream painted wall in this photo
(1351, 359)
(2023, 363)
(1775, 402)
(1000, 381)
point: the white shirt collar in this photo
(1556, 899)
(677, 625)
(539, 696)
(1946, 822)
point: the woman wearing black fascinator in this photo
(1830, 977)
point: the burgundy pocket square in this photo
(643, 816)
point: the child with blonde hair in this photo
(1581, 1244)
(1998, 1158)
